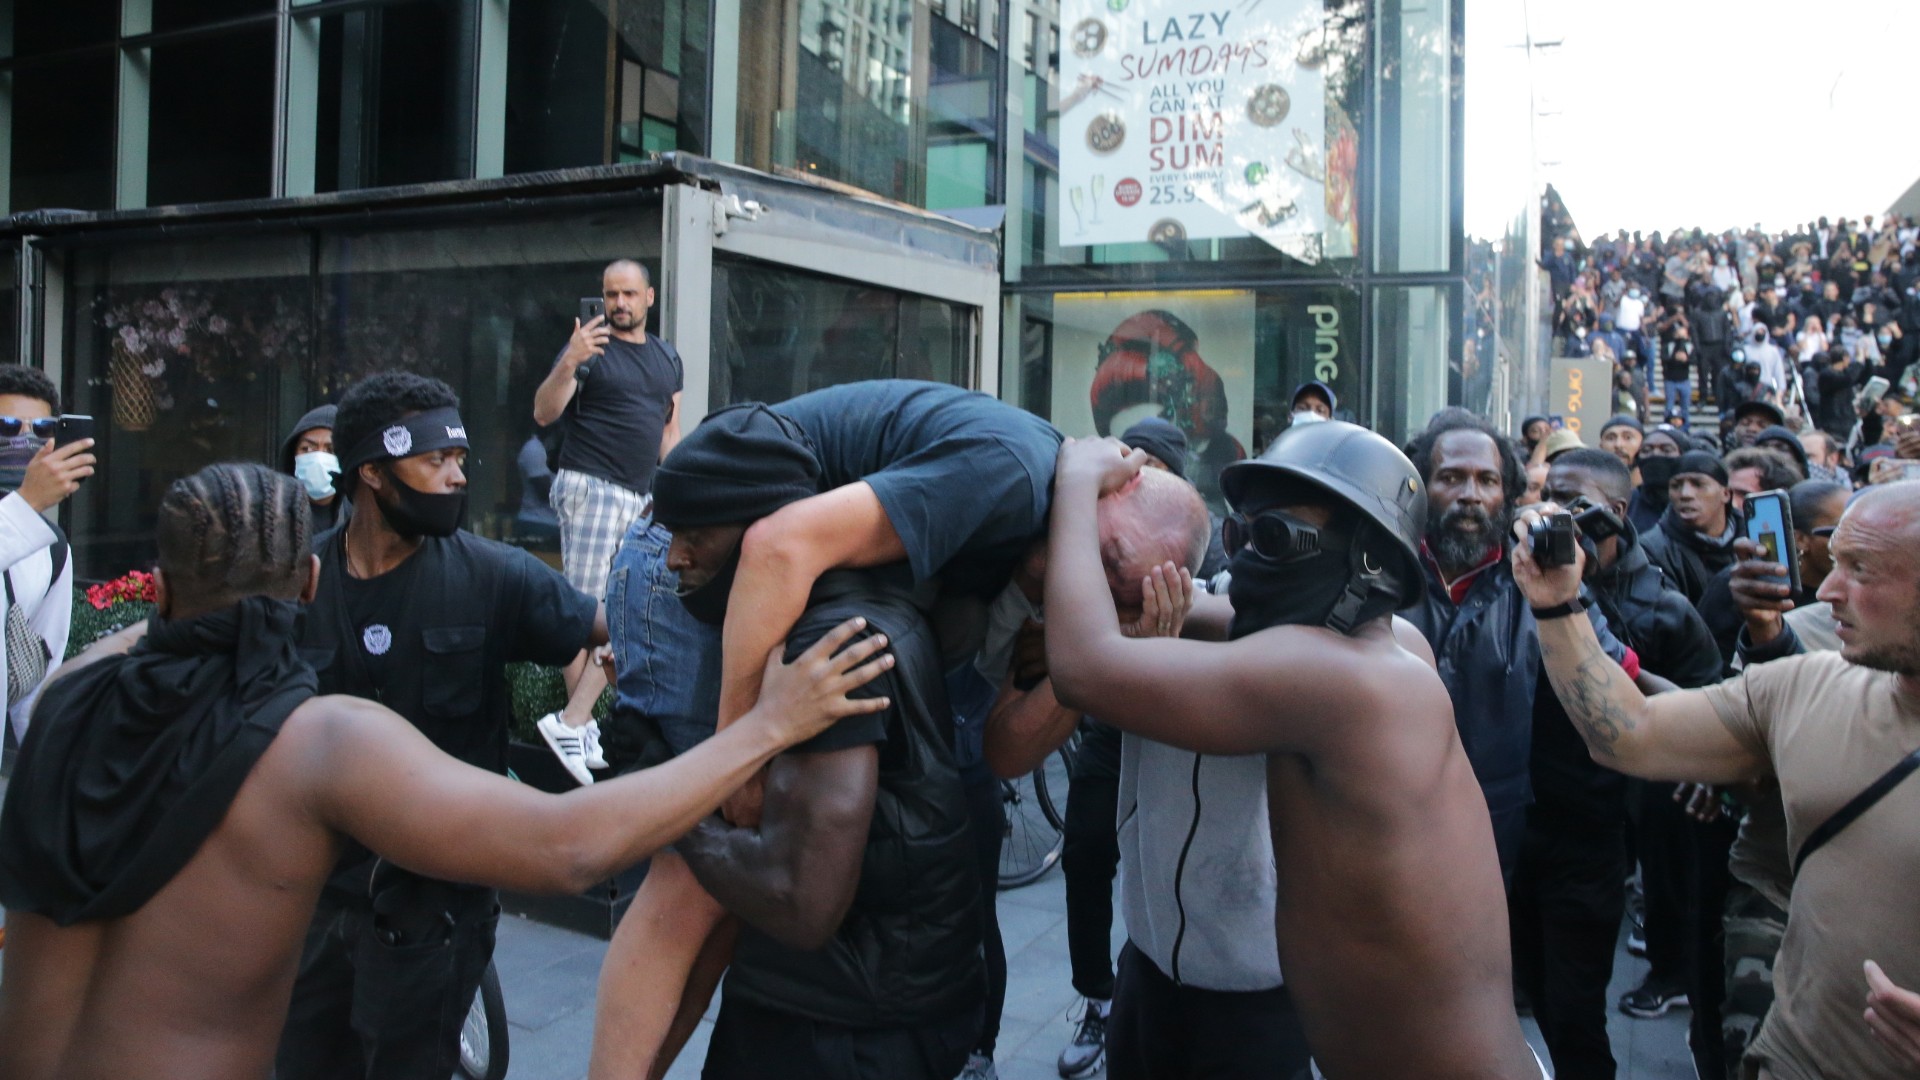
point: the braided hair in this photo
(234, 530)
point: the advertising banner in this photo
(1580, 392)
(1192, 119)
(1186, 357)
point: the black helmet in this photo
(1365, 472)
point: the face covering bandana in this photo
(1655, 474)
(708, 602)
(316, 470)
(414, 514)
(15, 454)
(1306, 589)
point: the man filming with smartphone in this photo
(613, 389)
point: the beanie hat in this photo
(1699, 461)
(739, 465)
(1623, 420)
(1161, 439)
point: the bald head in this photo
(1156, 518)
(1874, 586)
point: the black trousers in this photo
(1161, 1030)
(752, 1042)
(1660, 828)
(1569, 893)
(1709, 882)
(1089, 860)
(382, 997)
(989, 831)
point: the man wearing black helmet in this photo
(1392, 928)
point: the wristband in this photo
(1559, 611)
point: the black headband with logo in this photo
(421, 433)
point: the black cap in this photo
(1700, 461)
(1161, 439)
(1325, 391)
(1775, 418)
(1358, 468)
(739, 465)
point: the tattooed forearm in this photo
(1594, 690)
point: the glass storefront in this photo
(191, 353)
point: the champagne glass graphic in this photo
(1078, 197)
(1099, 183)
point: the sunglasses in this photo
(44, 427)
(1273, 534)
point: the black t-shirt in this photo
(431, 638)
(617, 414)
(965, 479)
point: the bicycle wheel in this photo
(483, 1037)
(1035, 822)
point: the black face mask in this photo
(1655, 474)
(1304, 590)
(708, 603)
(414, 514)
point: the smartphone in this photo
(1910, 470)
(593, 307)
(1770, 525)
(1871, 393)
(1556, 422)
(72, 429)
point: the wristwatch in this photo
(1574, 606)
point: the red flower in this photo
(134, 587)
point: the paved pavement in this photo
(548, 978)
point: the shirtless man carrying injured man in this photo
(953, 483)
(1390, 919)
(182, 796)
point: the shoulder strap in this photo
(1855, 807)
(60, 553)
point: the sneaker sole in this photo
(1099, 1062)
(1666, 1007)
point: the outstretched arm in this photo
(794, 877)
(1244, 697)
(375, 778)
(1675, 736)
(781, 557)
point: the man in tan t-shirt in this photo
(1826, 726)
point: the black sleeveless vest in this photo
(909, 951)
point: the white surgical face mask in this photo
(316, 470)
(1308, 416)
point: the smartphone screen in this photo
(591, 308)
(1770, 525)
(1556, 422)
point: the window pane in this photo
(1415, 327)
(1415, 174)
(51, 27)
(780, 332)
(212, 119)
(63, 125)
(390, 97)
(560, 87)
(178, 14)
(191, 352)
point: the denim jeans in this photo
(668, 661)
(1679, 398)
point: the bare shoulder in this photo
(333, 723)
(1409, 638)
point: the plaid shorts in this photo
(594, 515)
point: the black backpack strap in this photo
(61, 551)
(1856, 806)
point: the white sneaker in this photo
(591, 732)
(568, 744)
